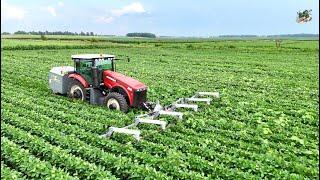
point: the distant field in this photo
(159, 39)
(265, 125)
(28, 42)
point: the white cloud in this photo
(11, 12)
(133, 8)
(52, 10)
(60, 3)
(129, 9)
(105, 19)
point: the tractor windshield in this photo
(104, 64)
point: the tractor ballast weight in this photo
(93, 79)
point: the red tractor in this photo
(93, 78)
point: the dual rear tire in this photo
(114, 100)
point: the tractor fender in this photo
(128, 93)
(80, 79)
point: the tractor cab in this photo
(87, 64)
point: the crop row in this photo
(31, 83)
(194, 134)
(55, 155)
(265, 125)
(190, 45)
(277, 138)
(52, 47)
(120, 166)
(21, 159)
(258, 85)
(206, 153)
(197, 136)
(211, 154)
(100, 114)
(8, 173)
(55, 97)
(155, 149)
(107, 145)
(88, 115)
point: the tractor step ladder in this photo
(151, 117)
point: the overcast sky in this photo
(162, 17)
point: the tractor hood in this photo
(123, 80)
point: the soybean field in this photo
(266, 124)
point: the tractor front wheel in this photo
(76, 90)
(116, 101)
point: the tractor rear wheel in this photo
(116, 101)
(76, 90)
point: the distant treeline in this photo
(295, 35)
(232, 36)
(269, 36)
(151, 35)
(136, 34)
(52, 33)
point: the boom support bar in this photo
(214, 94)
(191, 106)
(171, 113)
(151, 121)
(135, 133)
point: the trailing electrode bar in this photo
(134, 133)
(151, 121)
(191, 106)
(171, 113)
(194, 99)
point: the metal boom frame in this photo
(151, 117)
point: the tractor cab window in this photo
(85, 64)
(83, 67)
(104, 64)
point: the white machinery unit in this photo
(58, 78)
